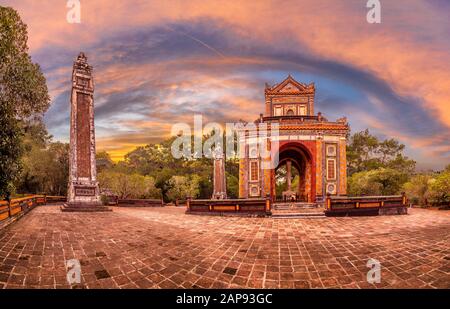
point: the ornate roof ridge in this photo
(303, 88)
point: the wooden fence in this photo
(257, 206)
(16, 208)
(366, 205)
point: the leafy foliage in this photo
(232, 185)
(46, 170)
(10, 150)
(366, 152)
(23, 94)
(45, 164)
(376, 167)
(156, 160)
(381, 181)
(429, 189)
(182, 187)
(104, 161)
(440, 188)
(128, 185)
(417, 189)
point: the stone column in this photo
(83, 186)
(219, 176)
(243, 169)
(288, 174)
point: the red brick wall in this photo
(83, 136)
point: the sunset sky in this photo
(160, 62)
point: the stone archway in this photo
(294, 154)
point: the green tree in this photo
(104, 161)
(361, 152)
(440, 188)
(232, 186)
(45, 170)
(44, 163)
(366, 152)
(417, 189)
(361, 183)
(127, 186)
(183, 187)
(23, 93)
(10, 150)
(376, 166)
(146, 159)
(381, 181)
(156, 160)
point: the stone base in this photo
(84, 207)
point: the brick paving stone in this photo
(165, 248)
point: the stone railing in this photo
(257, 206)
(366, 205)
(16, 208)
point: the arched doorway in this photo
(295, 166)
(287, 180)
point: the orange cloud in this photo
(408, 50)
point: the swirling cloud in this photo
(159, 62)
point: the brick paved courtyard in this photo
(164, 248)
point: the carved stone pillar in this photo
(83, 193)
(288, 174)
(219, 177)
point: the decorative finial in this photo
(342, 120)
(82, 57)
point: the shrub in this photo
(417, 189)
(440, 189)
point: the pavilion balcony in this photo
(292, 118)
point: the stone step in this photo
(84, 208)
(308, 210)
(295, 207)
(295, 203)
(297, 210)
(298, 215)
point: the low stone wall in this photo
(16, 208)
(366, 205)
(140, 203)
(56, 199)
(256, 207)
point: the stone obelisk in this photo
(83, 193)
(219, 179)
